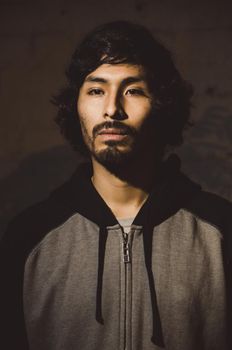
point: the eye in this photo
(135, 91)
(95, 91)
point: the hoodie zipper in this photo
(126, 258)
(126, 248)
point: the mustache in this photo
(114, 125)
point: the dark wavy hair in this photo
(125, 42)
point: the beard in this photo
(114, 153)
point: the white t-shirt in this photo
(126, 224)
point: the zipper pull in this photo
(126, 249)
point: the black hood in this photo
(171, 192)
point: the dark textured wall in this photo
(36, 41)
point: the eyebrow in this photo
(128, 80)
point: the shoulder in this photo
(212, 209)
(216, 211)
(29, 227)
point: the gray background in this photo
(36, 41)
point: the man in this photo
(129, 253)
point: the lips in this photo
(112, 131)
(112, 134)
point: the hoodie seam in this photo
(204, 221)
(54, 231)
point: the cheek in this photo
(84, 115)
(87, 112)
(85, 127)
(139, 111)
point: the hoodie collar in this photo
(171, 191)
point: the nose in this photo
(114, 107)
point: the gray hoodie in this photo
(72, 279)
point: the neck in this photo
(125, 191)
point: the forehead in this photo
(117, 73)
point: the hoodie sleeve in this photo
(218, 212)
(227, 251)
(21, 237)
(12, 257)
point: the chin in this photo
(112, 156)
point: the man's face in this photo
(114, 105)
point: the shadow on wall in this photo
(206, 156)
(207, 152)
